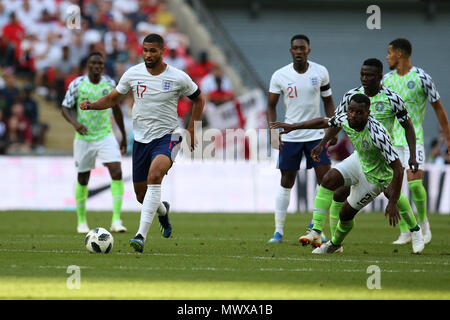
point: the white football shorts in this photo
(362, 192)
(403, 153)
(86, 152)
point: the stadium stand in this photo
(44, 54)
(339, 38)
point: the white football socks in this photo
(281, 205)
(152, 201)
(161, 210)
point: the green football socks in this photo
(342, 230)
(403, 226)
(406, 213)
(335, 209)
(117, 195)
(81, 193)
(322, 203)
(419, 197)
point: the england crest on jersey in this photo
(315, 82)
(166, 85)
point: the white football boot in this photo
(418, 243)
(426, 231)
(83, 228)
(328, 247)
(117, 226)
(404, 238)
(313, 238)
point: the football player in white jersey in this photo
(156, 88)
(301, 83)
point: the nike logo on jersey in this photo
(290, 83)
(140, 82)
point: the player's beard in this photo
(151, 65)
(357, 125)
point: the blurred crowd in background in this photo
(40, 56)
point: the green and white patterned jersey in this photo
(373, 146)
(386, 106)
(98, 122)
(415, 87)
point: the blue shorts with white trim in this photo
(291, 154)
(144, 153)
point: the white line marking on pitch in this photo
(445, 263)
(235, 270)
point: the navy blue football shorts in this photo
(144, 153)
(291, 154)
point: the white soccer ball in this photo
(99, 240)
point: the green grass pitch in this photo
(216, 256)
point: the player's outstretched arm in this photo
(317, 123)
(105, 102)
(394, 192)
(411, 140)
(443, 121)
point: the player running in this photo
(94, 138)
(386, 107)
(415, 86)
(301, 83)
(156, 88)
(375, 169)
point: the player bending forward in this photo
(156, 88)
(378, 170)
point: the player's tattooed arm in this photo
(411, 139)
(443, 121)
(105, 102)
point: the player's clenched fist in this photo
(85, 105)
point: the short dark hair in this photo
(154, 38)
(300, 36)
(361, 98)
(373, 62)
(403, 45)
(95, 53)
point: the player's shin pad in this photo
(342, 229)
(419, 197)
(81, 193)
(322, 203)
(117, 189)
(335, 209)
(405, 210)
